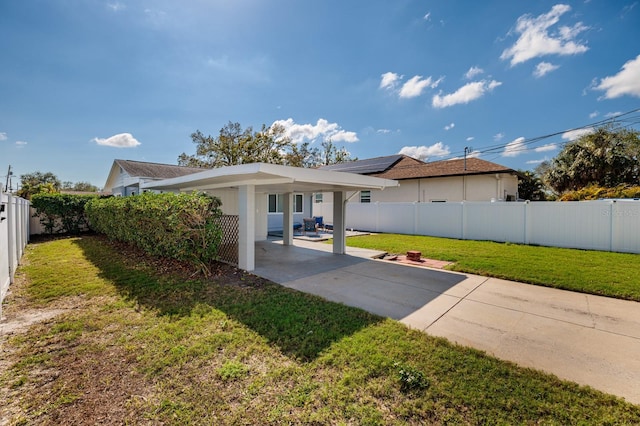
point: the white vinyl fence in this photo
(593, 225)
(14, 235)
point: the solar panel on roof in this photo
(371, 165)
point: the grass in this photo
(595, 272)
(140, 347)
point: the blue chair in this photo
(319, 222)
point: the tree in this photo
(38, 183)
(608, 157)
(235, 146)
(531, 187)
(79, 187)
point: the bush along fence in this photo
(14, 235)
(61, 213)
(180, 226)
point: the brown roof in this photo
(155, 170)
(475, 166)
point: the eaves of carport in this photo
(273, 178)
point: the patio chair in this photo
(309, 225)
(319, 222)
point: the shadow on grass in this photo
(301, 325)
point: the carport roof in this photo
(272, 178)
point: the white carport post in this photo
(339, 232)
(287, 219)
(247, 225)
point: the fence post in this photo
(527, 221)
(612, 211)
(10, 240)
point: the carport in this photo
(250, 181)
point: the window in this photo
(365, 196)
(297, 203)
(276, 203)
(318, 197)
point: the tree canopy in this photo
(234, 146)
(607, 157)
(531, 187)
(38, 183)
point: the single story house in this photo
(251, 191)
(126, 176)
(457, 180)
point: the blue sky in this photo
(83, 82)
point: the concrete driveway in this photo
(590, 340)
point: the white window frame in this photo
(319, 197)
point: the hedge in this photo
(595, 192)
(61, 213)
(180, 226)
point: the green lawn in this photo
(595, 272)
(140, 345)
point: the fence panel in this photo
(440, 220)
(362, 216)
(625, 232)
(575, 225)
(14, 235)
(592, 225)
(398, 218)
(502, 222)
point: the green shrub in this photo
(594, 192)
(180, 226)
(61, 213)
(411, 379)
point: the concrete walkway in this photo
(590, 340)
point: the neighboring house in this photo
(472, 179)
(126, 176)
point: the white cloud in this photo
(613, 114)
(3, 136)
(389, 80)
(536, 40)
(470, 138)
(427, 17)
(383, 131)
(547, 147)
(626, 82)
(498, 137)
(514, 148)
(467, 93)
(423, 153)
(121, 140)
(321, 130)
(473, 71)
(116, 6)
(450, 126)
(572, 135)
(21, 144)
(537, 161)
(544, 68)
(594, 114)
(415, 86)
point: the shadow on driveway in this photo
(383, 288)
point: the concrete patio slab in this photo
(590, 340)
